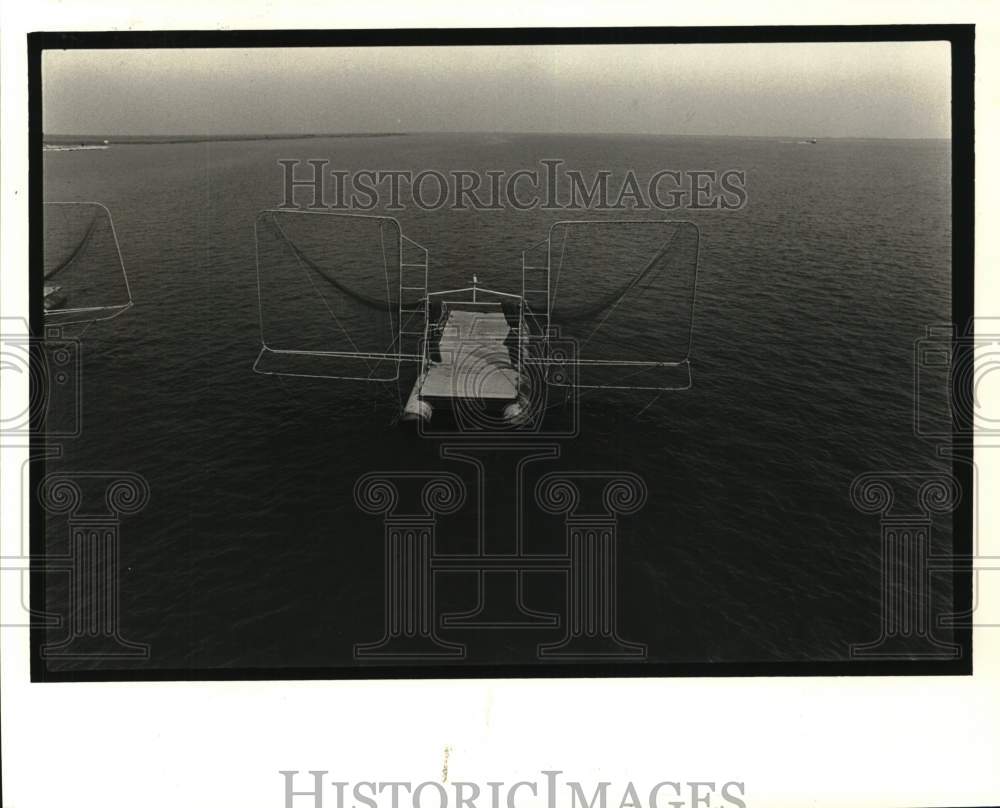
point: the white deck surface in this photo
(475, 363)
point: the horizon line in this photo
(190, 136)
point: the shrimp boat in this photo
(601, 304)
(474, 352)
(53, 298)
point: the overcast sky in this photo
(822, 90)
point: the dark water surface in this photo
(251, 551)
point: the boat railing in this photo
(538, 287)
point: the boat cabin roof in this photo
(475, 362)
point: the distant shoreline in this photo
(87, 140)
(92, 140)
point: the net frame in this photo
(89, 314)
(626, 374)
(348, 360)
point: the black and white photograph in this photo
(408, 358)
(477, 358)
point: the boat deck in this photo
(475, 362)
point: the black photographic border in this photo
(961, 39)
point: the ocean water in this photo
(251, 551)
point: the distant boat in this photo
(809, 141)
(53, 299)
